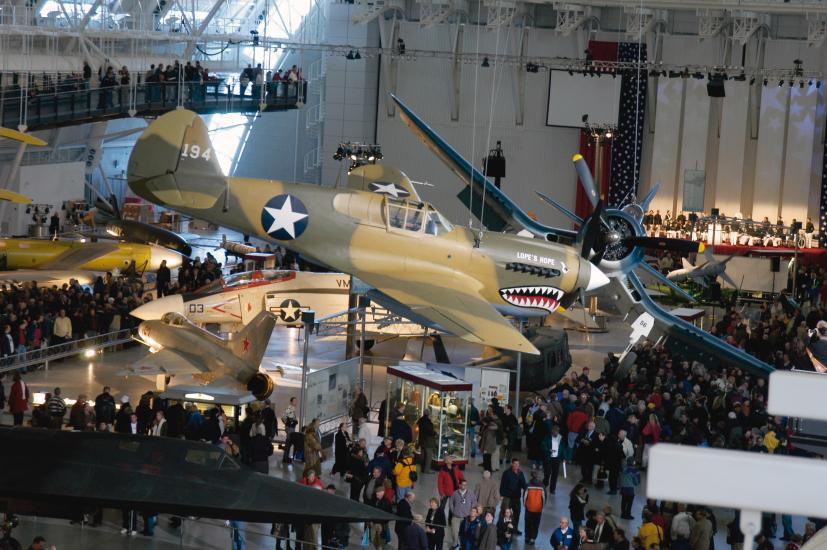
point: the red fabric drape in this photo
(589, 151)
(600, 51)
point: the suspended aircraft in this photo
(55, 262)
(612, 238)
(107, 214)
(180, 348)
(699, 273)
(413, 260)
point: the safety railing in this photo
(378, 319)
(42, 356)
(71, 102)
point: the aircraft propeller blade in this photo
(728, 280)
(644, 204)
(586, 180)
(571, 215)
(661, 278)
(591, 233)
(678, 245)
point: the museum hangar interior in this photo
(413, 274)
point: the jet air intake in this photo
(261, 386)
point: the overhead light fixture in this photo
(349, 55)
(485, 62)
(608, 134)
(358, 55)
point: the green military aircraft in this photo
(375, 228)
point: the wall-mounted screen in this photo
(572, 96)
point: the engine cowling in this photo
(261, 386)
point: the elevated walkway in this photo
(77, 105)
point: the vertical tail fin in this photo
(173, 163)
(250, 343)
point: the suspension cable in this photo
(474, 124)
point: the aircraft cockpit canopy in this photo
(238, 281)
(174, 319)
(415, 217)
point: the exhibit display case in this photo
(419, 388)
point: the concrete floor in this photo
(81, 376)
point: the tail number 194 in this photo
(195, 151)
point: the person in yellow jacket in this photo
(771, 440)
(649, 532)
(405, 474)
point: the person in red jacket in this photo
(448, 479)
(18, 399)
(311, 480)
(575, 422)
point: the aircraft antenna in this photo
(474, 125)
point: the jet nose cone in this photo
(156, 308)
(596, 278)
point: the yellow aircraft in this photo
(414, 262)
(56, 262)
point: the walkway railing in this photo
(42, 356)
(71, 103)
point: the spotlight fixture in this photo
(675, 74)
(608, 134)
(485, 62)
(349, 55)
(740, 78)
(571, 73)
(28, 210)
(653, 73)
(531, 67)
(780, 83)
(766, 81)
(358, 154)
(810, 83)
(818, 84)
(698, 74)
(801, 84)
(791, 83)
(357, 55)
(752, 81)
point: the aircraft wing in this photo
(46, 278)
(501, 212)
(165, 361)
(453, 306)
(77, 256)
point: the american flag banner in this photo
(822, 206)
(628, 139)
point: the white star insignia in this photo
(284, 218)
(388, 189)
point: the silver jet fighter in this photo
(180, 348)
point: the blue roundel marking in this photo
(284, 217)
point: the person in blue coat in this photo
(563, 536)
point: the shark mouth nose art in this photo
(543, 297)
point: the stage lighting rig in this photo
(357, 153)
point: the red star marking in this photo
(245, 345)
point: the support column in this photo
(519, 98)
(388, 35)
(456, 71)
